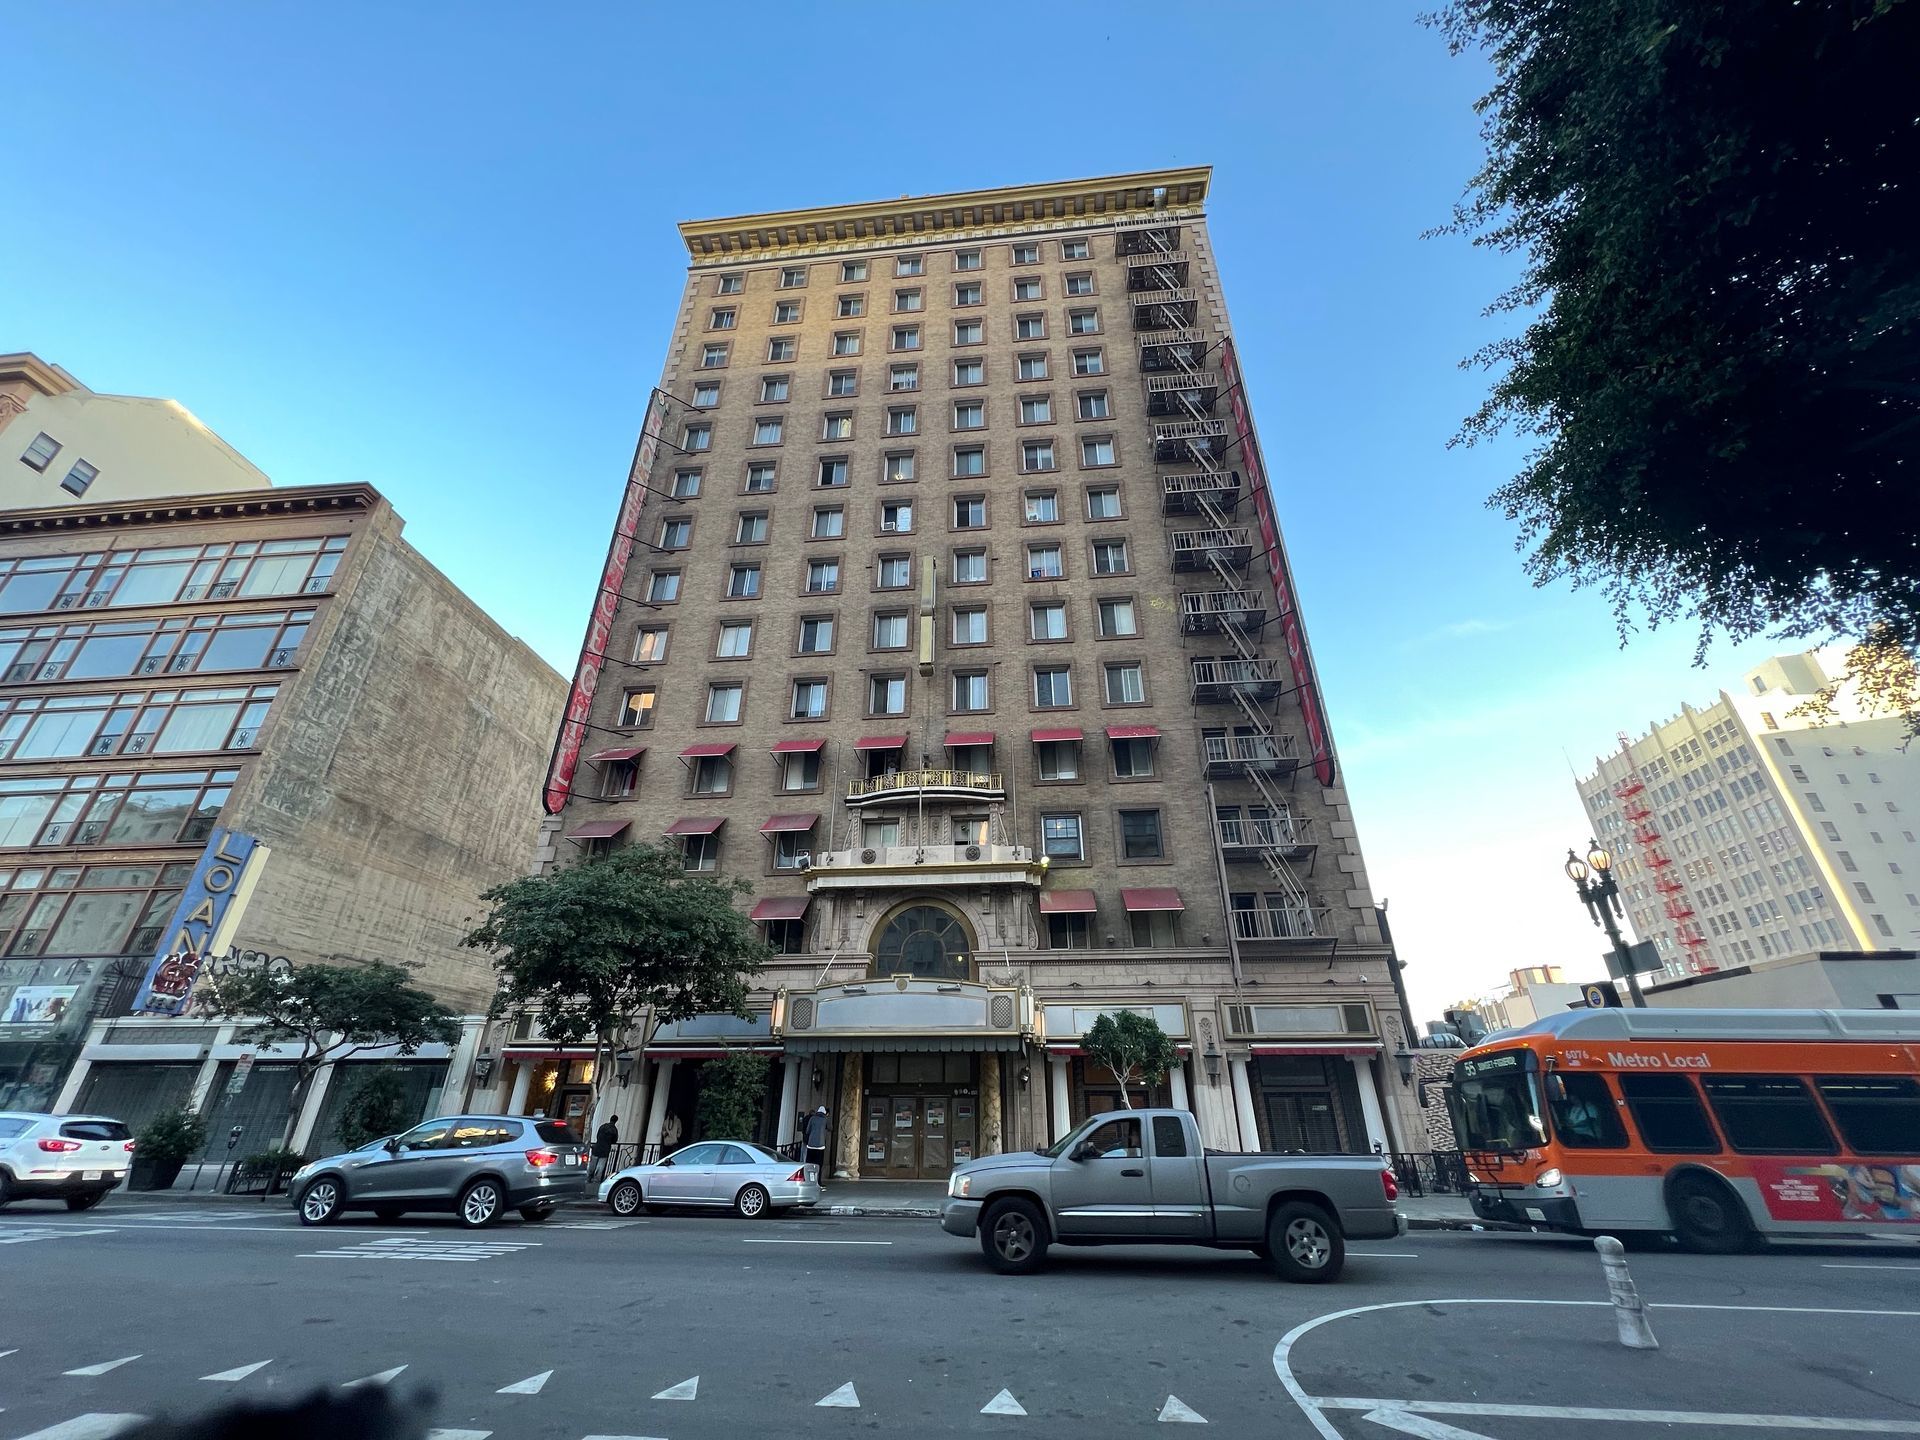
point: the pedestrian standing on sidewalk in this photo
(604, 1139)
(816, 1138)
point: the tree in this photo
(377, 1107)
(733, 1096)
(1133, 1047)
(1717, 203)
(329, 1013)
(592, 947)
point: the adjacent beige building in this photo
(955, 618)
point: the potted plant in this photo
(271, 1167)
(163, 1145)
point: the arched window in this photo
(927, 942)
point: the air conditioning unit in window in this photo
(889, 526)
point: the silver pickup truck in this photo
(1141, 1177)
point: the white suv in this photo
(75, 1157)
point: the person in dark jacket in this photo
(815, 1135)
(604, 1139)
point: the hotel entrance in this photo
(922, 1116)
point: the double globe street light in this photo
(1600, 893)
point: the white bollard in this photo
(1629, 1312)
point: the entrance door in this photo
(1303, 1122)
(903, 1138)
(917, 1137)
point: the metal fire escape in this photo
(1200, 493)
(1631, 793)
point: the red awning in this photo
(712, 747)
(1068, 902)
(618, 752)
(780, 907)
(787, 824)
(1042, 737)
(968, 737)
(797, 747)
(1133, 732)
(879, 742)
(598, 830)
(1152, 897)
(1315, 1049)
(697, 825)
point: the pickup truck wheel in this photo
(1013, 1237)
(1307, 1246)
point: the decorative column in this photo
(1370, 1103)
(657, 1112)
(1177, 1076)
(1062, 1096)
(522, 1084)
(789, 1098)
(1243, 1103)
(991, 1126)
(848, 1137)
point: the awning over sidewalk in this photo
(1314, 1049)
(702, 1037)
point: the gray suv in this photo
(477, 1166)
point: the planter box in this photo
(150, 1174)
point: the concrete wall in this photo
(141, 447)
(1816, 982)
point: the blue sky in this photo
(433, 248)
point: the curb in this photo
(1423, 1223)
(898, 1212)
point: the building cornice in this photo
(920, 218)
(47, 378)
(242, 504)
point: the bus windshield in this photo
(1499, 1102)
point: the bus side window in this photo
(1584, 1117)
(1668, 1114)
(1768, 1115)
(1877, 1114)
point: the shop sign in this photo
(204, 920)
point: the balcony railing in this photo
(1159, 307)
(1146, 234)
(1181, 392)
(1191, 549)
(1243, 837)
(1182, 494)
(1172, 351)
(1179, 440)
(1276, 923)
(1216, 680)
(929, 784)
(861, 857)
(1225, 754)
(1205, 611)
(1150, 269)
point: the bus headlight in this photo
(1549, 1178)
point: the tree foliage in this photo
(733, 1096)
(1717, 202)
(1133, 1047)
(378, 1107)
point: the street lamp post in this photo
(1600, 893)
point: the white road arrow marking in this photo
(458, 1434)
(5, 1353)
(532, 1385)
(1177, 1411)
(842, 1399)
(239, 1372)
(1425, 1427)
(103, 1367)
(384, 1377)
(87, 1427)
(685, 1390)
(1003, 1404)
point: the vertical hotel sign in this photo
(1306, 686)
(606, 606)
(204, 921)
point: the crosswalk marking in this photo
(845, 1398)
(383, 1378)
(685, 1390)
(239, 1372)
(91, 1426)
(1003, 1404)
(532, 1385)
(103, 1367)
(1176, 1411)
(595, 1224)
(27, 1234)
(462, 1251)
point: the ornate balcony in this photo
(916, 785)
(880, 867)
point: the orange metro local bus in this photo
(1719, 1127)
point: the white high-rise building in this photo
(1746, 832)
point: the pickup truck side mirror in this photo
(1085, 1150)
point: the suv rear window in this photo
(554, 1132)
(95, 1130)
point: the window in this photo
(712, 775)
(833, 473)
(1036, 455)
(1584, 1115)
(786, 312)
(852, 271)
(1077, 250)
(1047, 620)
(809, 700)
(751, 528)
(760, 478)
(897, 515)
(1768, 1114)
(968, 294)
(907, 302)
(1083, 322)
(782, 348)
(894, 572)
(1036, 409)
(713, 357)
(1089, 362)
(969, 460)
(722, 317)
(1060, 837)
(1028, 287)
(801, 771)
(969, 512)
(700, 852)
(1126, 684)
(966, 260)
(969, 414)
(650, 645)
(910, 265)
(906, 337)
(816, 635)
(1117, 618)
(1110, 557)
(735, 641)
(730, 285)
(790, 852)
(1096, 450)
(887, 695)
(969, 567)
(823, 577)
(1026, 254)
(774, 388)
(1033, 367)
(1132, 759)
(970, 691)
(1058, 759)
(1103, 502)
(1877, 1114)
(968, 332)
(697, 437)
(1043, 562)
(903, 420)
(792, 277)
(1140, 835)
(1030, 327)
(768, 430)
(1053, 687)
(836, 425)
(1092, 405)
(706, 394)
(898, 466)
(743, 582)
(1069, 932)
(890, 630)
(829, 522)
(636, 708)
(1158, 930)
(723, 704)
(846, 342)
(676, 534)
(969, 372)
(663, 587)
(1042, 507)
(1079, 284)
(970, 626)
(904, 377)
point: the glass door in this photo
(903, 1153)
(935, 1154)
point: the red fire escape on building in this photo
(1659, 864)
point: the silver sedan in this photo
(749, 1180)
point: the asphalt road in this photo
(586, 1326)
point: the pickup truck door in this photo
(1181, 1204)
(1106, 1191)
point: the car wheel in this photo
(388, 1212)
(1307, 1246)
(1708, 1218)
(1013, 1236)
(751, 1202)
(534, 1214)
(86, 1201)
(481, 1204)
(625, 1198)
(321, 1201)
